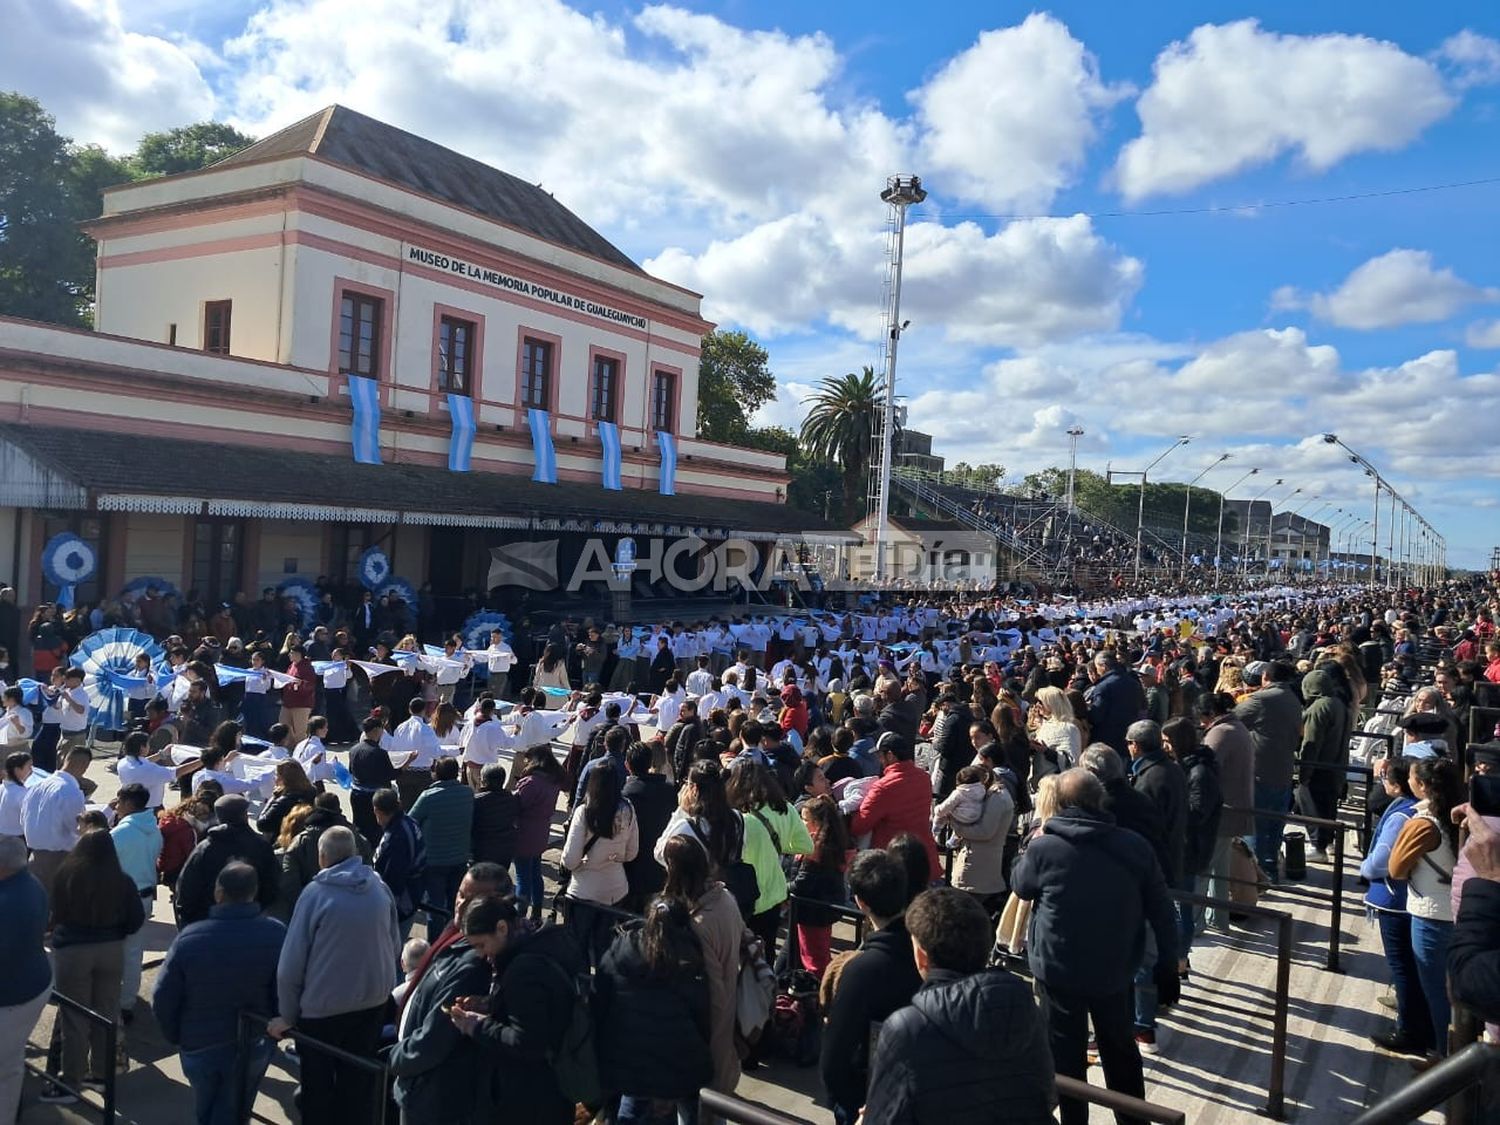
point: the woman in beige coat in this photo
(720, 930)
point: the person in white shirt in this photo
(335, 674)
(138, 694)
(668, 704)
(49, 815)
(448, 669)
(136, 768)
(20, 775)
(312, 752)
(15, 722)
(499, 658)
(483, 741)
(701, 680)
(417, 738)
(214, 762)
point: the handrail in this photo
(249, 1020)
(111, 1045)
(1122, 1104)
(1431, 1089)
(741, 1112)
(1336, 893)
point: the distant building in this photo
(914, 451)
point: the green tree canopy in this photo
(974, 476)
(840, 427)
(734, 381)
(188, 148)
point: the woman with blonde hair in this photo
(1231, 679)
(1057, 730)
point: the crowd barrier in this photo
(1448, 1081)
(252, 1024)
(111, 1046)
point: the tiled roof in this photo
(354, 140)
(115, 462)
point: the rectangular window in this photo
(216, 558)
(359, 334)
(536, 374)
(606, 376)
(663, 400)
(216, 327)
(455, 356)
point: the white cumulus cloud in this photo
(1399, 287)
(1472, 59)
(1234, 96)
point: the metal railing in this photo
(111, 1046)
(797, 903)
(1447, 1080)
(253, 1024)
(1121, 1104)
(741, 1112)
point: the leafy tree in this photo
(188, 148)
(46, 269)
(815, 486)
(974, 476)
(840, 427)
(734, 382)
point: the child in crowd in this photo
(820, 876)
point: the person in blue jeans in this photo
(214, 969)
(1386, 900)
(1273, 716)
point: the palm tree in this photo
(840, 427)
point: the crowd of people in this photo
(991, 785)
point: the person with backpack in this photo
(603, 835)
(773, 829)
(652, 1007)
(400, 857)
(1424, 854)
(703, 813)
(529, 1028)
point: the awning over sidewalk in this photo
(46, 466)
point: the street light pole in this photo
(1140, 511)
(1249, 512)
(1074, 433)
(1187, 500)
(1219, 538)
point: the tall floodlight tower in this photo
(899, 194)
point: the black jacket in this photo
(1135, 812)
(1205, 808)
(225, 842)
(653, 800)
(493, 834)
(1115, 702)
(1474, 952)
(1161, 781)
(530, 1010)
(652, 1032)
(682, 740)
(269, 821)
(1092, 883)
(969, 1049)
(900, 718)
(439, 1071)
(952, 746)
(880, 979)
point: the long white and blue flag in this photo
(609, 441)
(667, 443)
(541, 447)
(461, 446)
(364, 393)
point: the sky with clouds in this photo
(1121, 230)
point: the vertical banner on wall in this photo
(541, 447)
(364, 393)
(667, 443)
(461, 445)
(609, 442)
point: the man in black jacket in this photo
(952, 748)
(881, 978)
(1115, 701)
(1161, 781)
(232, 838)
(654, 800)
(1090, 882)
(971, 1046)
(1131, 810)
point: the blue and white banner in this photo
(541, 446)
(364, 393)
(667, 443)
(66, 561)
(461, 447)
(609, 442)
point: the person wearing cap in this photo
(233, 837)
(1425, 735)
(899, 801)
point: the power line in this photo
(1226, 208)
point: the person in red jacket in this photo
(297, 699)
(899, 801)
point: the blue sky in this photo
(740, 148)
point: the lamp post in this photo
(1302, 526)
(1140, 510)
(1271, 525)
(1187, 500)
(1074, 433)
(1219, 538)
